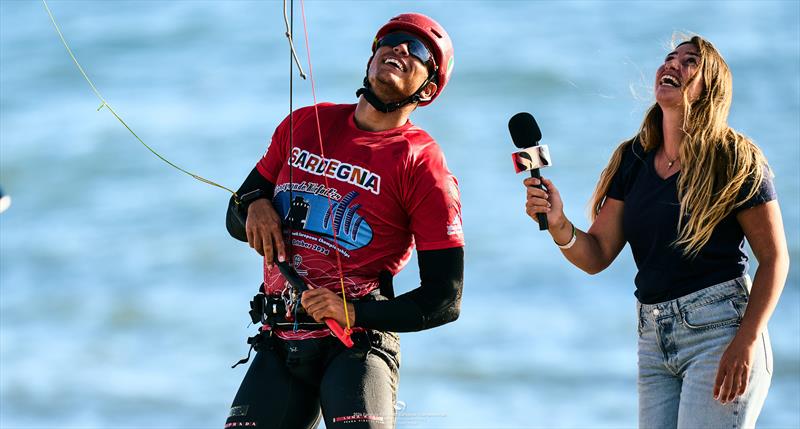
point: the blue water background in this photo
(123, 300)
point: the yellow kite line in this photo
(107, 106)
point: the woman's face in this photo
(672, 78)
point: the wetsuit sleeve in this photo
(236, 217)
(435, 302)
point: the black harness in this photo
(270, 310)
(380, 106)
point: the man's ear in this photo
(428, 92)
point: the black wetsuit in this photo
(290, 382)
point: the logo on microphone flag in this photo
(531, 158)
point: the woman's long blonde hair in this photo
(716, 161)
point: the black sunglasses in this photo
(415, 47)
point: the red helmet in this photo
(430, 31)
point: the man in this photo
(344, 209)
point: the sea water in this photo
(123, 301)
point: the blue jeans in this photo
(680, 346)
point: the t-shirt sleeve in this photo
(620, 183)
(766, 192)
(270, 164)
(434, 203)
(275, 158)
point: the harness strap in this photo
(254, 342)
(270, 311)
(380, 106)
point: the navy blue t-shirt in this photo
(650, 222)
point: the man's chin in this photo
(387, 80)
(387, 90)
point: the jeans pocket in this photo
(642, 326)
(724, 312)
(767, 351)
(639, 319)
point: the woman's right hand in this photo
(264, 233)
(546, 201)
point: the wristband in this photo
(241, 204)
(251, 196)
(571, 242)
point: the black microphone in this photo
(526, 135)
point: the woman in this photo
(684, 193)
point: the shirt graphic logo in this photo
(298, 213)
(312, 213)
(335, 169)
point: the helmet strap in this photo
(380, 106)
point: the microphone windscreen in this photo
(524, 131)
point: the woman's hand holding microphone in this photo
(548, 201)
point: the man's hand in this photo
(322, 304)
(264, 231)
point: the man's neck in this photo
(367, 118)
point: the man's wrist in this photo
(251, 197)
(248, 198)
(351, 312)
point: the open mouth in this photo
(670, 80)
(394, 62)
